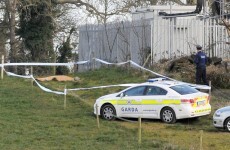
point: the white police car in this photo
(221, 118)
(165, 100)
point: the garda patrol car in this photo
(164, 99)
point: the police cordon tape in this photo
(81, 63)
(123, 119)
(84, 62)
(39, 85)
(65, 90)
(204, 87)
(44, 64)
(106, 86)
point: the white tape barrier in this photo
(38, 64)
(16, 75)
(203, 87)
(198, 86)
(135, 64)
(48, 90)
(44, 64)
(108, 63)
(65, 91)
(39, 85)
(107, 86)
(84, 62)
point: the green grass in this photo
(33, 119)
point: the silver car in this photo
(221, 118)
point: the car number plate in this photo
(201, 103)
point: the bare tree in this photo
(103, 9)
(11, 7)
(3, 27)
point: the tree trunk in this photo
(11, 7)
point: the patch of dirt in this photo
(56, 78)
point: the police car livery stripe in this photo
(203, 110)
(114, 102)
(160, 102)
(143, 102)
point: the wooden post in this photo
(31, 70)
(201, 139)
(2, 69)
(139, 130)
(210, 85)
(54, 67)
(93, 61)
(146, 61)
(94, 64)
(31, 73)
(98, 123)
(65, 91)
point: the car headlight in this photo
(218, 113)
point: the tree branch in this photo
(79, 3)
(93, 10)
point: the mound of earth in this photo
(218, 70)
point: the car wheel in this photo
(108, 112)
(227, 125)
(168, 115)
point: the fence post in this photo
(2, 69)
(139, 130)
(210, 85)
(31, 73)
(93, 61)
(201, 139)
(65, 93)
(98, 123)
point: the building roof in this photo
(163, 8)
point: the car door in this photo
(129, 103)
(153, 101)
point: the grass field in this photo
(33, 119)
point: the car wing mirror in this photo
(122, 95)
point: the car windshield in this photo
(184, 89)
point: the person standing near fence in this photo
(200, 61)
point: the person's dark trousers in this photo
(201, 74)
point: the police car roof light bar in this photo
(156, 79)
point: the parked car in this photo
(165, 100)
(221, 118)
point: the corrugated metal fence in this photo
(177, 37)
(151, 40)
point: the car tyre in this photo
(168, 115)
(227, 124)
(108, 112)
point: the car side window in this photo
(136, 91)
(154, 90)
